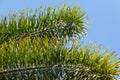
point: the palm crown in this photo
(33, 45)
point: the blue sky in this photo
(105, 16)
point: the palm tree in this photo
(35, 45)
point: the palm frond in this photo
(52, 22)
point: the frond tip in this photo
(51, 22)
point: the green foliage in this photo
(52, 22)
(33, 47)
(50, 52)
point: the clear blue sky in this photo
(105, 16)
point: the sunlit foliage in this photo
(33, 46)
